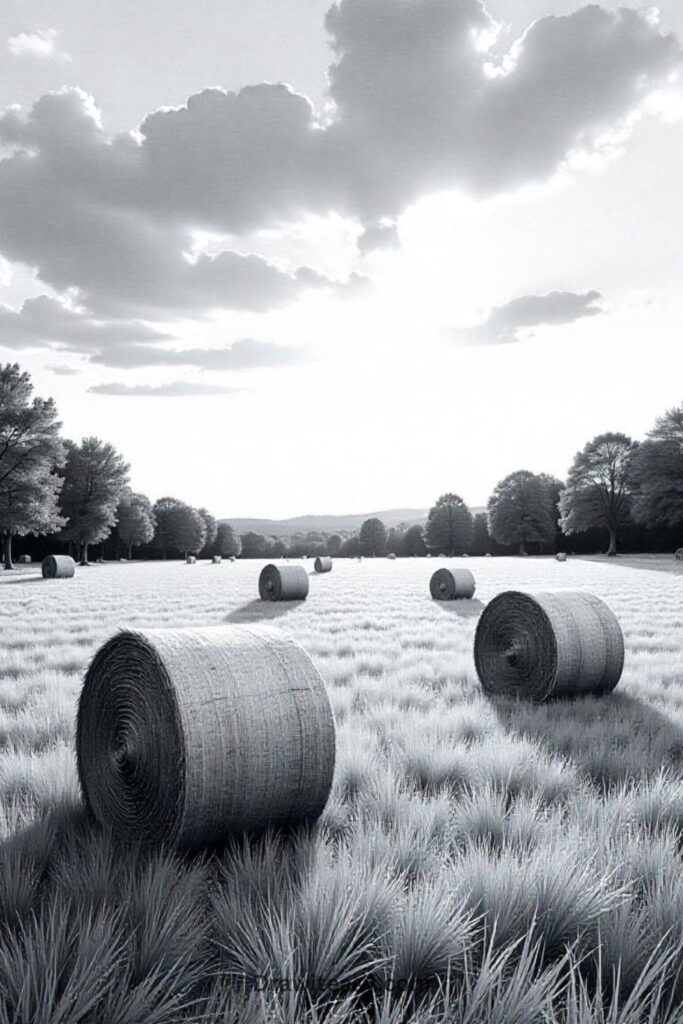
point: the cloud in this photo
(504, 323)
(416, 104)
(39, 44)
(64, 371)
(378, 236)
(47, 322)
(246, 354)
(179, 389)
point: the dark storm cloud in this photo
(413, 110)
(504, 323)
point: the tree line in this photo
(79, 494)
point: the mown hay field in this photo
(477, 861)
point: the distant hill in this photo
(329, 524)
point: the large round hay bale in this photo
(542, 645)
(323, 564)
(187, 737)
(216, 560)
(190, 559)
(452, 584)
(24, 559)
(561, 556)
(58, 567)
(678, 555)
(283, 583)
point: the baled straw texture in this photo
(542, 645)
(58, 567)
(187, 737)
(323, 564)
(561, 556)
(216, 560)
(283, 583)
(452, 584)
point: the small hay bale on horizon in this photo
(452, 585)
(216, 560)
(188, 737)
(536, 646)
(561, 556)
(24, 559)
(58, 567)
(323, 563)
(283, 583)
(190, 560)
(678, 554)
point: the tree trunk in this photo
(84, 553)
(7, 550)
(612, 549)
(130, 552)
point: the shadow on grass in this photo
(4, 581)
(614, 739)
(467, 609)
(262, 611)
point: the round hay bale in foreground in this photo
(190, 559)
(561, 556)
(542, 645)
(216, 560)
(452, 584)
(24, 559)
(186, 737)
(58, 567)
(283, 583)
(678, 555)
(323, 564)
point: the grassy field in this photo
(476, 862)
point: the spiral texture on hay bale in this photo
(542, 645)
(283, 583)
(190, 559)
(216, 560)
(58, 567)
(187, 737)
(561, 556)
(452, 584)
(323, 564)
(678, 555)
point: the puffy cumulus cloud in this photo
(505, 323)
(37, 44)
(416, 104)
(246, 354)
(178, 389)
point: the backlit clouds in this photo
(506, 323)
(178, 389)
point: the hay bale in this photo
(391, 555)
(323, 564)
(452, 584)
(488, 555)
(542, 645)
(190, 559)
(186, 737)
(24, 559)
(58, 567)
(283, 583)
(216, 559)
(678, 554)
(561, 556)
(232, 558)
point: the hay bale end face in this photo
(190, 559)
(543, 645)
(452, 584)
(58, 567)
(216, 560)
(323, 564)
(283, 583)
(187, 737)
(561, 556)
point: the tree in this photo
(657, 473)
(135, 520)
(333, 544)
(520, 511)
(450, 527)
(94, 476)
(350, 547)
(253, 545)
(227, 542)
(373, 538)
(168, 513)
(482, 539)
(30, 449)
(598, 487)
(210, 529)
(191, 529)
(414, 541)
(395, 540)
(554, 487)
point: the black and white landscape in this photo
(341, 509)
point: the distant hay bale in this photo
(190, 559)
(216, 560)
(24, 559)
(542, 645)
(678, 554)
(561, 556)
(58, 567)
(465, 554)
(488, 555)
(187, 737)
(391, 555)
(283, 583)
(323, 564)
(232, 558)
(452, 584)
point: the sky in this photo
(304, 258)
